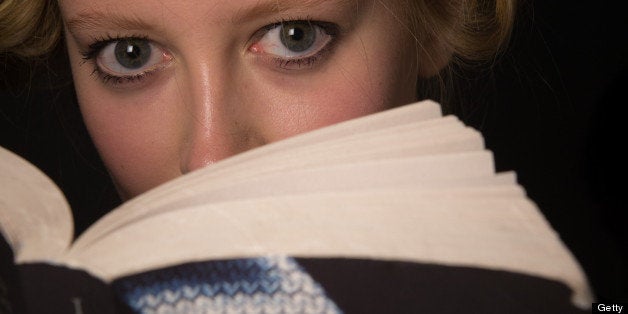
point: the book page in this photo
(420, 172)
(35, 217)
(491, 228)
(418, 121)
(405, 188)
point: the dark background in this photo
(550, 109)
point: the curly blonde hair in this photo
(474, 30)
(453, 37)
(29, 28)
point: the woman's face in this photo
(166, 87)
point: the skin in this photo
(217, 91)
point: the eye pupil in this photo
(297, 36)
(132, 53)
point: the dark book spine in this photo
(48, 288)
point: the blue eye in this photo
(293, 40)
(297, 36)
(132, 53)
(129, 57)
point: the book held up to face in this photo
(384, 213)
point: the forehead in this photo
(219, 11)
(173, 20)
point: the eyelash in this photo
(330, 29)
(94, 49)
(98, 44)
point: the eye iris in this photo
(297, 36)
(132, 53)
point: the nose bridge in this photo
(210, 130)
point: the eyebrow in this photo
(91, 20)
(97, 19)
(280, 6)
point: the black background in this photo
(551, 109)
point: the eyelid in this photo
(98, 43)
(94, 55)
(158, 58)
(329, 29)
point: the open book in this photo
(395, 212)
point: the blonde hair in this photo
(29, 28)
(453, 37)
(474, 30)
